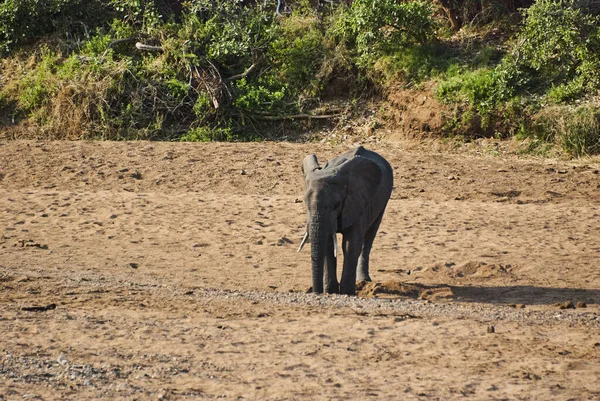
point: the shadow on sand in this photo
(524, 294)
(518, 294)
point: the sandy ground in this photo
(169, 271)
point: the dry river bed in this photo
(146, 271)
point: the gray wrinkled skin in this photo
(348, 195)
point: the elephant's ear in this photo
(310, 164)
(363, 177)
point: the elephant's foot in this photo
(348, 289)
(363, 277)
(332, 288)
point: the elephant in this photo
(348, 195)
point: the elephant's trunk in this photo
(318, 249)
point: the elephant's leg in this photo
(362, 270)
(352, 245)
(329, 273)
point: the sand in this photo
(149, 271)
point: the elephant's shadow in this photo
(518, 294)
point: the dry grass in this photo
(574, 129)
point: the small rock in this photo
(581, 304)
(62, 360)
(133, 265)
(491, 329)
(565, 305)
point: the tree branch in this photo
(114, 43)
(243, 74)
(148, 48)
(447, 7)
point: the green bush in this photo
(556, 54)
(24, 20)
(560, 42)
(475, 93)
(298, 51)
(555, 58)
(37, 87)
(374, 28)
(222, 69)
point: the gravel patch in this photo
(482, 312)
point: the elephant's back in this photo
(384, 165)
(387, 181)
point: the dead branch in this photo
(450, 14)
(216, 88)
(119, 41)
(243, 74)
(148, 48)
(114, 43)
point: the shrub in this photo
(23, 20)
(298, 52)
(373, 28)
(555, 57)
(559, 41)
(225, 67)
(573, 129)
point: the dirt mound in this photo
(387, 289)
(415, 112)
(396, 289)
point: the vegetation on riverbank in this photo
(236, 70)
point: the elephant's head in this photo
(338, 196)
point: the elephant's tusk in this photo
(303, 241)
(334, 246)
